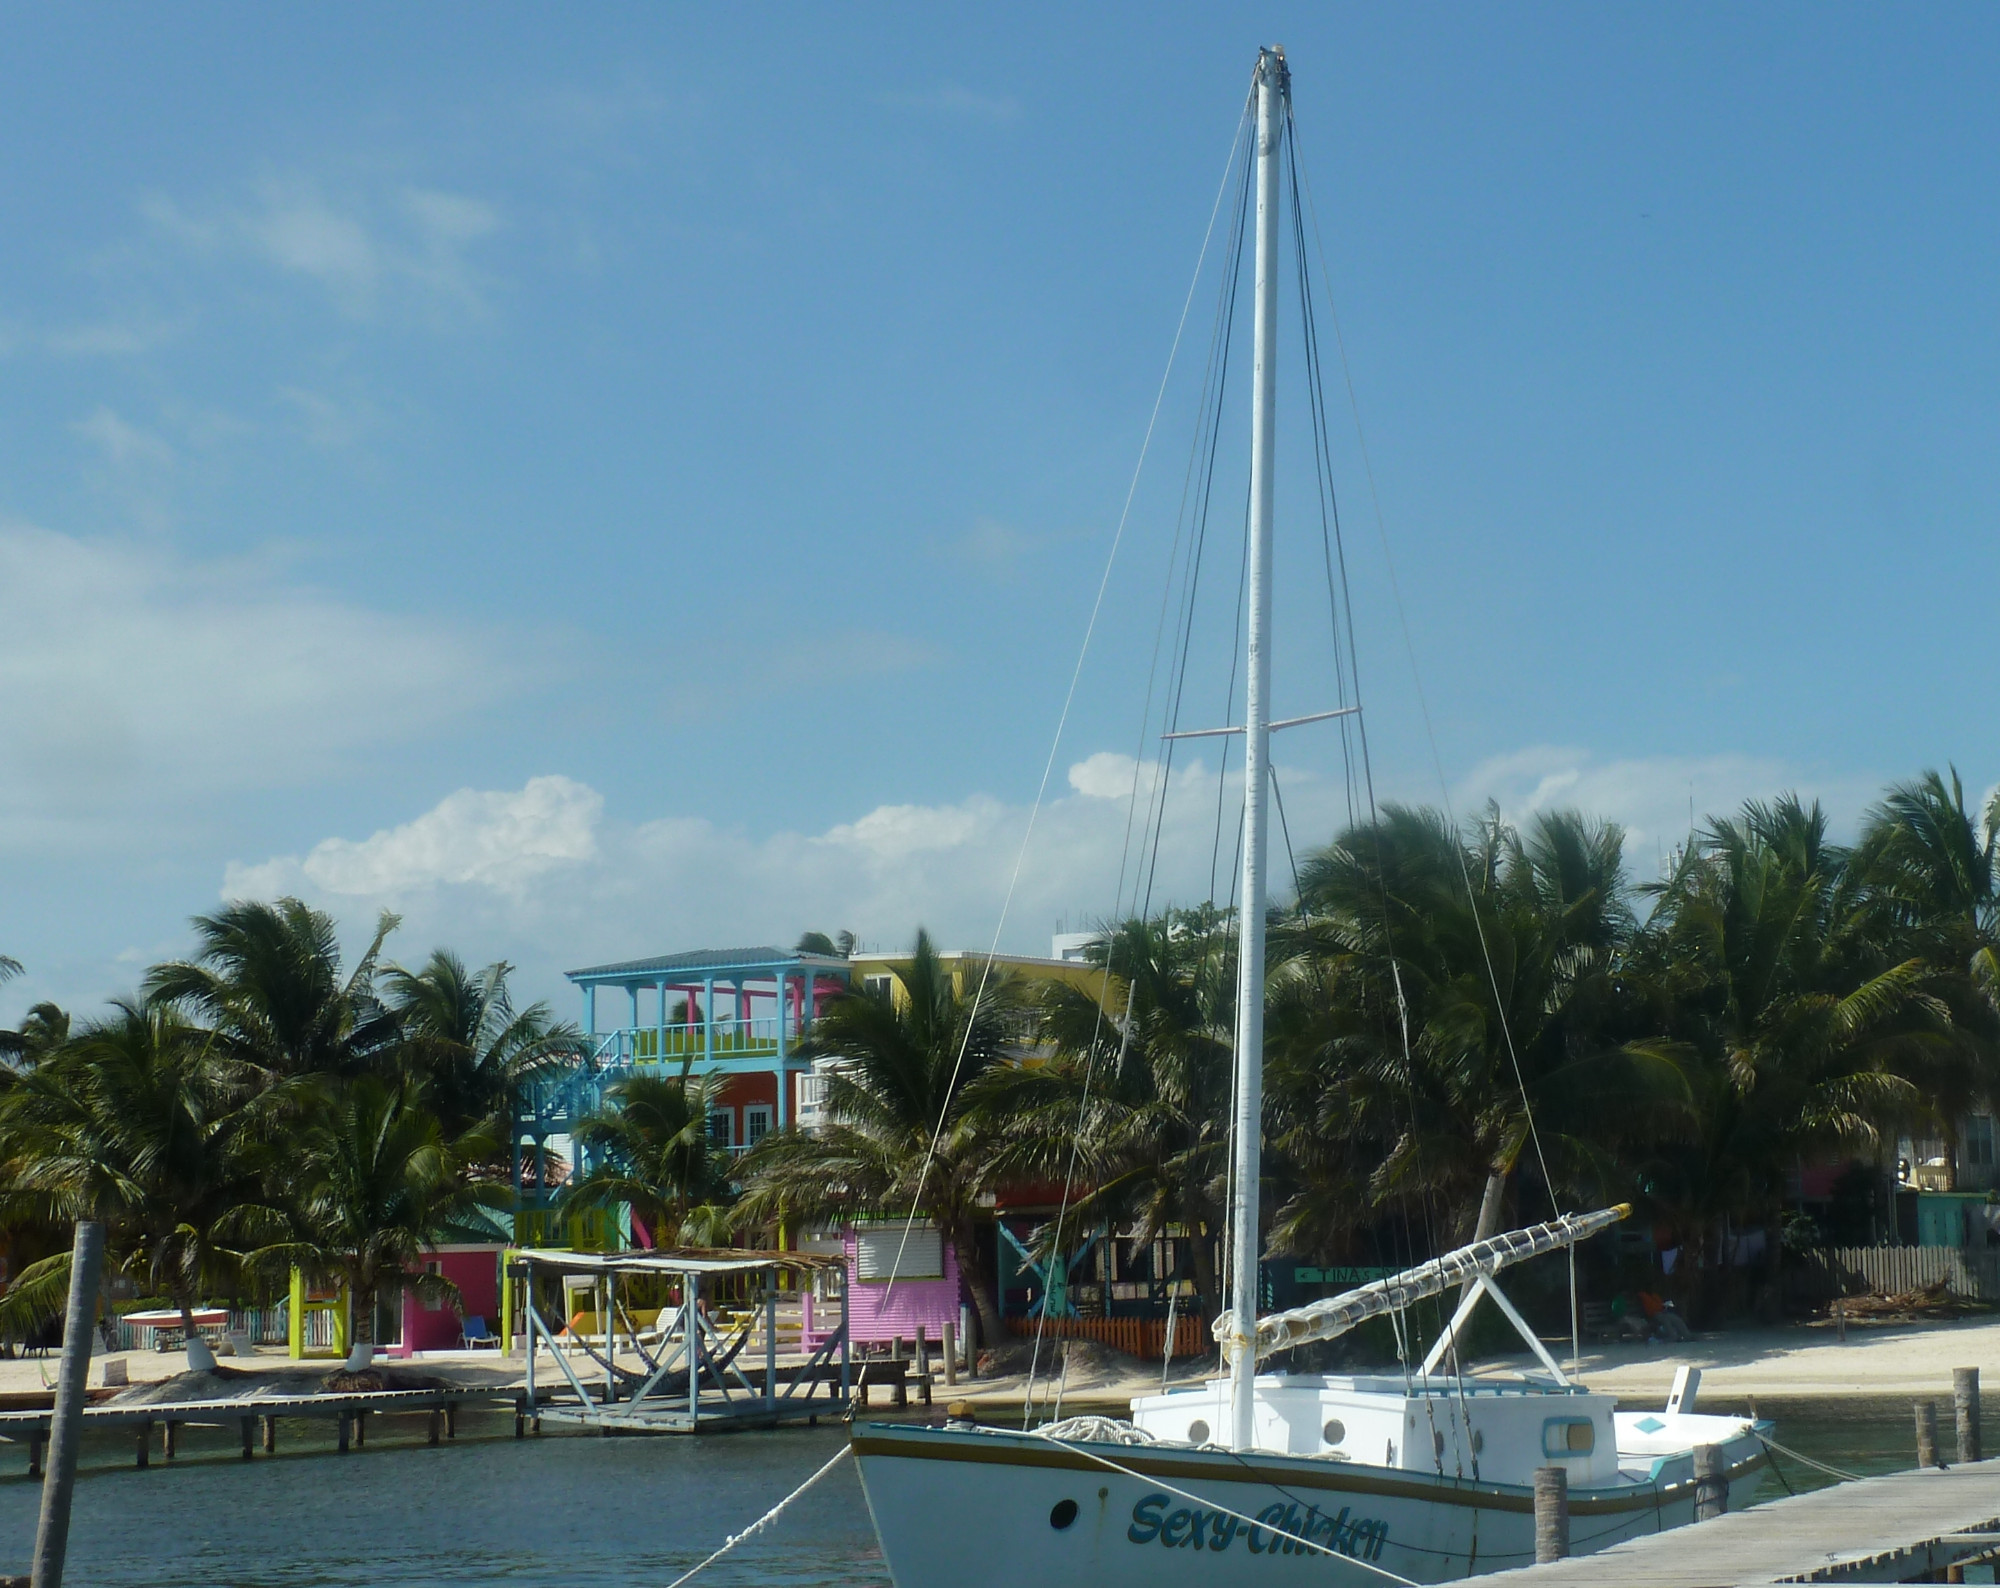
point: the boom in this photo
(1323, 1320)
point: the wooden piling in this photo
(249, 1432)
(1551, 1514)
(451, 1422)
(923, 1351)
(145, 1443)
(360, 1429)
(343, 1431)
(35, 1442)
(1711, 1486)
(270, 1436)
(170, 1439)
(950, 1352)
(1927, 1446)
(1965, 1410)
(436, 1426)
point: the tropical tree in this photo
(464, 1042)
(370, 1183)
(649, 1149)
(267, 980)
(140, 1123)
(1131, 1115)
(900, 1136)
(43, 1030)
(1445, 1001)
(840, 945)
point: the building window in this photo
(1979, 1141)
(898, 1251)
(433, 1301)
(882, 987)
(756, 1123)
(722, 1126)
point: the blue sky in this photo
(611, 480)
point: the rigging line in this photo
(1416, 678)
(1229, 696)
(1226, 315)
(1159, 397)
(1285, 827)
(1341, 605)
(763, 1521)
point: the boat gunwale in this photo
(920, 1442)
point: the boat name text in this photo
(1279, 1529)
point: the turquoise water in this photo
(570, 1509)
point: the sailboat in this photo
(1416, 1476)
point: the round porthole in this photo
(1198, 1432)
(1478, 1441)
(1334, 1431)
(1062, 1514)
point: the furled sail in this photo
(1323, 1320)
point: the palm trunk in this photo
(360, 1326)
(200, 1358)
(1201, 1257)
(979, 1285)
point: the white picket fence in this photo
(264, 1325)
(1973, 1272)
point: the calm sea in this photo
(563, 1509)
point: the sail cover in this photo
(1323, 1320)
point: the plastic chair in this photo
(475, 1333)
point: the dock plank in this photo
(1877, 1530)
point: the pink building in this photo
(435, 1324)
(900, 1278)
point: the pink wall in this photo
(878, 1310)
(476, 1272)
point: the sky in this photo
(607, 481)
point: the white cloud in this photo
(123, 443)
(544, 876)
(131, 679)
(954, 99)
(360, 246)
(1650, 796)
(501, 841)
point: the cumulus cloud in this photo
(131, 678)
(545, 875)
(1653, 797)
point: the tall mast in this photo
(1273, 85)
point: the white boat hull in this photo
(981, 1508)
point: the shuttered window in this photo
(876, 1247)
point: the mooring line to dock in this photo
(763, 1521)
(1249, 1521)
(1806, 1460)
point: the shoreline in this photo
(1800, 1361)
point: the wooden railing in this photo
(1142, 1337)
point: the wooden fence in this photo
(1142, 1337)
(1820, 1275)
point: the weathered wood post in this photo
(170, 1439)
(66, 1420)
(343, 1432)
(1551, 1514)
(1927, 1450)
(35, 1443)
(923, 1351)
(451, 1420)
(1965, 1410)
(436, 1425)
(270, 1436)
(145, 1452)
(950, 1352)
(1711, 1488)
(248, 1429)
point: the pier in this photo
(256, 1417)
(1922, 1526)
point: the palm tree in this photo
(1131, 1115)
(137, 1122)
(900, 1137)
(465, 1043)
(650, 1150)
(373, 1182)
(1758, 957)
(839, 946)
(1444, 1002)
(268, 981)
(43, 1030)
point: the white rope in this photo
(763, 1521)
(1806, 1461)
(1157, 1482)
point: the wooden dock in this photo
(255, 1418)
(1921, 1526)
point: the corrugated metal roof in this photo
(704, 959)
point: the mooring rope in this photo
(763, 1521)
(1805, 1460)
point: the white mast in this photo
(1273, 85)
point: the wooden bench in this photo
(897, 1375)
